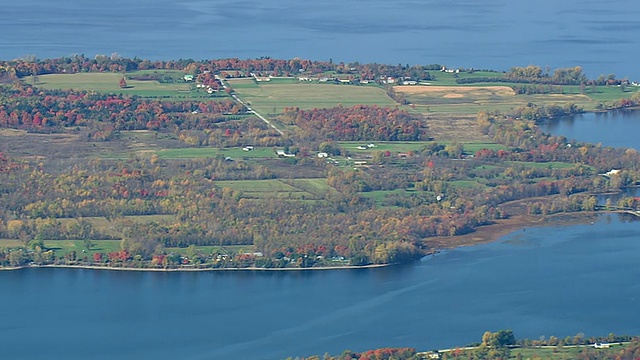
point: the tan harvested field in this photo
(450, 127)
(469, 100)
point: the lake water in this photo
(542, 281)
(617, 129)
(495, 34)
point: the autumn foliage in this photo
(356, 123)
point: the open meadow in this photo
(268, 98)
(110, 83)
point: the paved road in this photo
(236, 98)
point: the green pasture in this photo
(173, 75)
(242, 83)
(110, 83)
(302, 189)
(233, 153)
(269, 97)
(62, 247)
(468, 184)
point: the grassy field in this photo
(444, 95)
(380, 195)
(110, 83)
(298, 189)
(267, 97)
(234, 153)
(466, 99)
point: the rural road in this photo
(236, 98)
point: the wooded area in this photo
(355, 206)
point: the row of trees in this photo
(229, 67)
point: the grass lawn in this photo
(269, 97)
(234, 153)
(300, 189)
(467, 184)
(110, 83)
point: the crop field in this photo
(110, 83)
(266, 97)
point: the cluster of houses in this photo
(207, 88)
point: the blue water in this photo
(542, 281)
(617, 129)
(495, 34)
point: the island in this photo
(264, 164)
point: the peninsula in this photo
(115, 163)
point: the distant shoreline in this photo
(482, 235)
(191, 269)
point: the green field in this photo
(297, 189)
(267, 97)
(378, 196)
(110, 83)
(234, 153)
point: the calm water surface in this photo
(617, 129)
(542, 281)
(546, 281)
(494, 34)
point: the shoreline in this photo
(492, 232)
(481, 235)
(192, 269)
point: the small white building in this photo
(323, 155)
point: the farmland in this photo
(374, 183)
(110, 83)
(267, 97)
